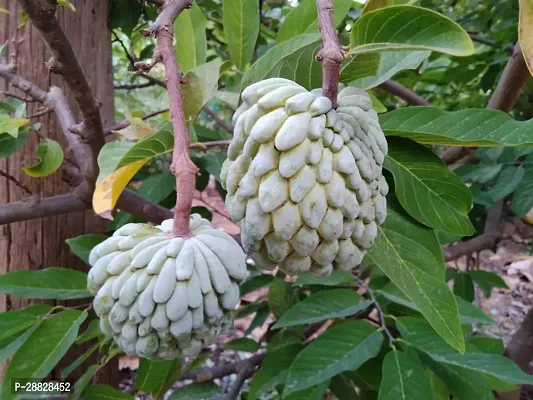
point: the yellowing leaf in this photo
(11, 125)
(137, 129)
(3, 10)
(66, 3)
(109, 189)
(50, 156)
(525, 31)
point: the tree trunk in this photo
(41, 243)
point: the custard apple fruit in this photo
(303, 180)
(161, 297)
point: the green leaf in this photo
(10, 345)
(12, 322)
(389, 64)
(50, 156)
(50, 283)
(84, 380)
(83, 244)
(335, 279)
(469, 127)
(372, 5)
(281, 297)
(80, 360)
(10, 145)
(254, 283)
(312, 393)
(462, 383)
(196, 391)
(124, 16)
(427, 189)
(469, 313)
(110, 155)
(401, 252)
(419, 334)
(191, 24)
(104, 392)
(523, 195)
(487, 281)
(242, 344)
(506, 183)
(152, 374)
(438, 388)
(261, 316)
(409, 28)
(202, 84)
(273, 371)
(487, 344)
(404, 378)
(304, 18)
(92, 331)
(337, 303)
(269, 64)
(343, 388)
(44, 348)
(479, 173)
(344, 346)
(11, 125)
(463, 286)
(241, 25)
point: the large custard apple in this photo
(304, 181)
(162, 297)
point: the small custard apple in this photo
(304, 181)
(163, 297)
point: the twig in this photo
(16, 96)
(331, 54)
(379, 310)
(182, 166)
(33, 208)
(206, 145)
(488, 42)
(134, 86)
(124, 124)
(209, 373)
(42, 16)
(16, 182)
(491, 235)
(404, 93)
(220, 122)
(245, 371)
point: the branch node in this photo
(54, 66)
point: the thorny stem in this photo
(379, 310)
(182, 166)
(331, 54)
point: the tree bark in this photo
(40, 243)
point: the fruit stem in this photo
(182, 166)
(331, 54)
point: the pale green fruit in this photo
(162, 297)
(304, 180)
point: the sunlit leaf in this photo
(409, 28)
(372, 5)
(50, 156)
(202, 84)
(241, 25)
(11, 125)
(469, 127)
(190, 24)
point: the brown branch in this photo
(404, 93)
(209, 373)
(15, 96)
(491, 235)
(331, 54)
(220, 122)
(33, 208)
(42, 15)
(16, 182)
(182, 166)
(124, 124)
(134, 86)
(245, 371)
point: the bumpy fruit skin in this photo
(304, 180)
(161, 297)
